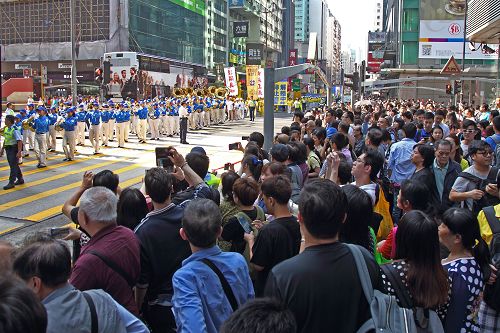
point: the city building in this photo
(421, 37)
(333, 49)
(378, 16)
(38, 33)
(348, 59)
(216, 34)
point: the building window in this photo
(410, 19)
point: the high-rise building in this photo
(216, 33)
(378, 24)
(333, 49)
(348, 59)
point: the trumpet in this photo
(29, 124)
(57, 125)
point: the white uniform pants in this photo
(176, 125)
(120, 134)
(104, 133)
(94, 137)
(141, 129)
(127, 129)
(111, 129)
(51, 137)
(163, 125)
(155, 128)
(26, 140)
(133, 124)
(207, 118)
(69, 142)
(80, 132)
(41, 148)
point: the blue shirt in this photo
(94, 117)
(199, 302)
(105, 116)
(42, 124)
(126, 115)
(52, 118)
(80, 116)
(491, 141)
(142, 113)
(69, 124)
(400, 160)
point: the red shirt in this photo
(120, 246)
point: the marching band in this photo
(159, 117)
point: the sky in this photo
(356, 18)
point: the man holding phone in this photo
(183, 115)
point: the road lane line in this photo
(57, 209)
(50, 167)
(55, 177)
(31, 162)
(9, 229)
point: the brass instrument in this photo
(212, 90)
(199, 93)
(29, 124)
(57, 125)
(222, 92)
(179, 92)
(189, 91)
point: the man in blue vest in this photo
(13, 146)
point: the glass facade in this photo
(166, 29)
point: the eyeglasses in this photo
(469, 131)
(358, 160)
(485, 153)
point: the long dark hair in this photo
(131, 208)
(254, 165)
(462, 222)
(354, 230)
(227, 180)
(417, 242)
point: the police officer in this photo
(13, 146)
(41, 130)
(94, 117)
(183, 115)
(69, 138)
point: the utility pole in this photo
(73, 51)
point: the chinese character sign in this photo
(260, 83)
(240, 29)
(292, 57)
(280, 93)
(231, 84)
(254, 53)
(252, 81)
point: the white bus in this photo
(136, 75)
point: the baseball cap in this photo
(198, 150)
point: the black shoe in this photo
(40, 166)
(8, 186)
(185, 143)
(66, 159)
(70, 159)
(19, 182)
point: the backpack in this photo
(497, 149)
(491, 294)
(386, 315)
(487, 199)
(382, 208)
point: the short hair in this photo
(261, 315)
(158, 184)
(199, 163)
(132, 208)
(201, 222)
(10, 118)
(344, 173)
(440, 112)
(277, 168)
(46, 258)
(285, 130)
(280, 152)
(407, 115)
(427, 153)
(429, 115)
(227, 181)
(99, 204)
(21, 310)
(107, 179)
(416, 193)
(297, 152)
(277, 187)
(442, 142)
(350, 115)
(340, 140)
(246, 190)
(467, 122)
(282, 138)
(375, 136)
(496, 123)
(374, 159)
(419, 112)
(478, 145)
(323, 207)
(298, 114)
(410, 130)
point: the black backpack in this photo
(487, 199)
(491, 294)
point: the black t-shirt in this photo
(276, 241)
(233, 231)
(322, 288)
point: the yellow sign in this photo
(252, 81)
(281, 93)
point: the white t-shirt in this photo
(230, 105)
(370, 190)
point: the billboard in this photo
(252, 81)
(196, 6)
(441, 10)
(240, 29)
(230, 80)
(441, 39)
(292, 57)
(281, 93)
(376, 46)
(254, 53)
(123, 79)
(236, 3)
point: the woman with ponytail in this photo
(467, 266)
(251, 167)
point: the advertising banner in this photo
(197, 6)
(292, 57)
(240, 29)
(376, 36)
(254, 53)
(441, 39)
(252, 81)
(281, 93)
(260, 83)
(236, 3)
(230, 76)
(296, 84)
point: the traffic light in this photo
(354, 84)
(458, 87)
(107, 72)
(448, 89)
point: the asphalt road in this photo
(36, 205)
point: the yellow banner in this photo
(252, 81)
(280, 93)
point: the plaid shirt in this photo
(489, 319)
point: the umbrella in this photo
(363, 102)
